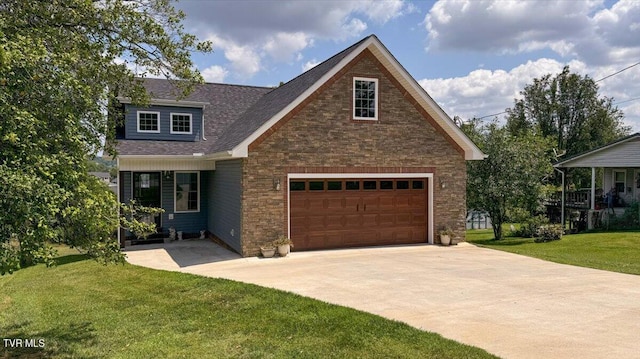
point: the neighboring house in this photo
(104, 176)
(353, 152)
(620, 161)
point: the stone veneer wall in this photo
(320, 136)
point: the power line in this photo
(495, 114)
(625, 101)
(615, 73)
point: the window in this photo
(619, 180)
(369, 185)
(417, 184)
(334, 186)
(316, 186)
(352, 185)
(365, 99)
(187, 194)
(181, 123)
(296, 186)
(148, 122)
(402, 184)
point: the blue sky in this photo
(473, 57)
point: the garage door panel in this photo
(387, 212)
(370, 220)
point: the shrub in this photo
(530, 227)
(549, 232)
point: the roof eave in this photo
(167, 102)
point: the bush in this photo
(630, 219)
(530, 227)
(549, 232)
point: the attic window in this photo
(148, 122)
(365, 98)
(181, 123)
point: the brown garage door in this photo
(333, 213)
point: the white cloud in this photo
(285, 47)
(214, 73)
(584, 29)
(253, 32)
(309, 65)
(244, 60)
(482, 92)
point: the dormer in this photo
(166, 120)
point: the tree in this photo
(62, 63)
(511, 175)
(567, 109)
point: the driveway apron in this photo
(510, 305)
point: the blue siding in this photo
(125, 181)
(131, 123)
(192, 222)
(225, 201)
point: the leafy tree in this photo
(567, 109)
(62, 62)
(511, 175)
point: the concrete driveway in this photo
(510, 305)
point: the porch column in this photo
(593, 188)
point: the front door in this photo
(147, 192)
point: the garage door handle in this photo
(365, 206)
(357, 207)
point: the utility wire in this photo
(625, 101)
(615, 73)
(495, 114)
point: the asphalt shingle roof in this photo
(234, 112)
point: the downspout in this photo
(562, 199)
(593, 188)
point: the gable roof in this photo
(236, 130)
(623, 152)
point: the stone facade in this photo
(319, 136)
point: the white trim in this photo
(147, 112)
(166, 102)
(175, 182)
(353, 98)
(171, 131)
(428, 176)
(613, 179)
(471, 151)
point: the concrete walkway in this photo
(510, 305)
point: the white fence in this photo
(478, 220)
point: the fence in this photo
(478, 220)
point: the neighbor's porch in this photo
(620, 164)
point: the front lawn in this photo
(81, 309)
(612, 251)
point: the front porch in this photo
(620, 164)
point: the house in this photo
(353, 152)
(103, 176)
(620, 161)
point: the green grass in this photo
(84, 310)
(612, 251)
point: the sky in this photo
(472, 57)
